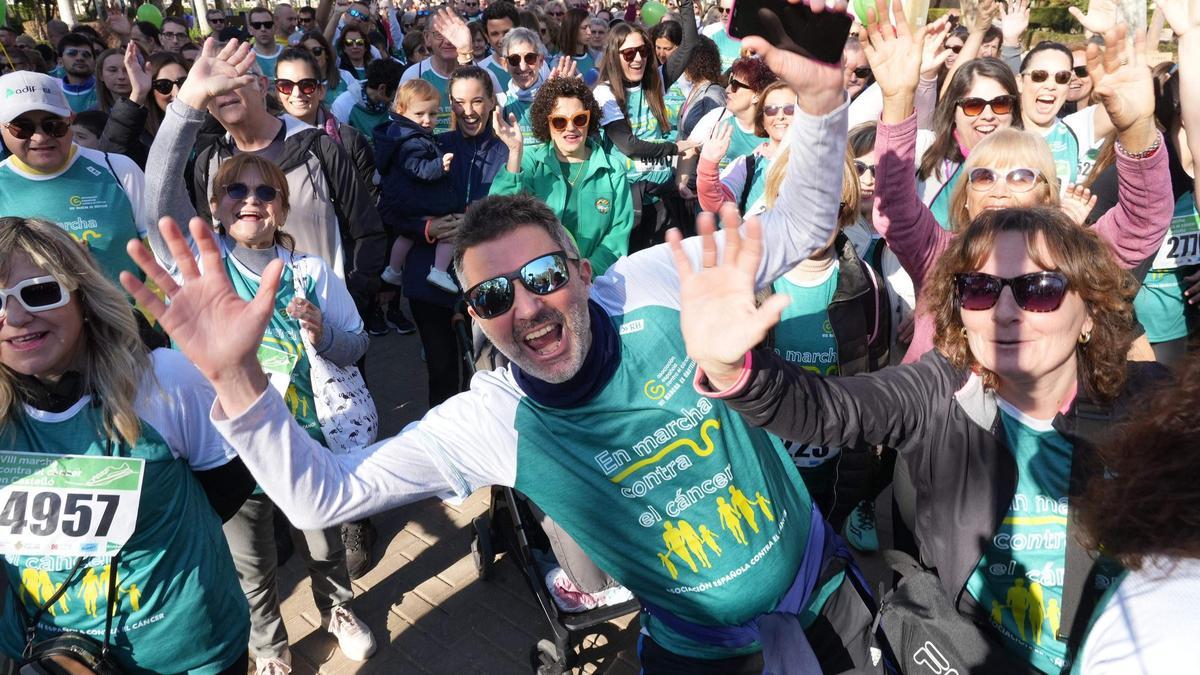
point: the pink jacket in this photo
(710, 191)
(1134, 228)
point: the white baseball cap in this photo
(22, 91)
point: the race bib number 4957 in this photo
(67, 504)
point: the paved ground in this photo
(428, 610)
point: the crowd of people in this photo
(732, 296)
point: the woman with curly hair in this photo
(1144, 511)
(570, 169)
(996, 425)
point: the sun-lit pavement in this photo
(423, 601)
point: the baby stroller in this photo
(514, 525)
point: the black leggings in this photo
(441, 348)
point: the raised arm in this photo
(1184, 18)
(677, 62)
(977, 27)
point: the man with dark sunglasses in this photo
(216, 21)
(78, 61)
(261, 25)
(598, 420)
(97, 197)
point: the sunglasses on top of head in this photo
(579, 120)
(23, 129)
(38, 294)
(1037, 292)
(165, 86)
(631, 53)
(542, 276)
(1001, 105)
(1039, 76)
(264, 193)
(307, 86)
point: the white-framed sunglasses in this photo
(38, 294)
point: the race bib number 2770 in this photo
(67, 504)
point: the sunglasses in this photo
(259, 25)
(1001, 105)
(317, 51)
(307, 86)
(264, 193)
(632, 53)
(216, 19)
(23, 130)
(862, 72)
(71, 53)
(165, 86)
(541, 276)
(578, 120)
(38, 294)
(356, 42)
(530, 59)
(982, 179)
(1036, 292)
(955, 48)
(861, 168)
(1039, 76)
(736, 84)
(773, 110)
(1080, 71)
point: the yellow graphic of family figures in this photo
(687, 543)
(36, 584)
(1028, 605)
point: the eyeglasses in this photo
(530, 59)
(1039, 76)
(38, 294)
(736, 84)
(541, 276)
(1036, 292)
(982, 179)
(1080, 71)
(861, 168)
(23, 130)
(357, 14)
(773, 110)
(633, 52)
(72, 52)
(165, 86)
(260, 25)
(579, 120)
(356, 42)
(307, 86)
(1001, 105)
(173, 35)
(264, 193)
(862, 72)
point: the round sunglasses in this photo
(1036, 292)
(1039, 76)
(530, 59)
(542, 275)
(982, 179)
(579, 120)
(264, 193)
(1001, 105)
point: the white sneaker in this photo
(353, 636)
(391, 276)
(274, 666)
(442, 280)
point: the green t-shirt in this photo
(426, 72)
(82, 98)
(1160, 304)
(521, 110)
(267, 62)
(178, 606)
(674, 99)
(940, 208)
(498, 70)
(645, 126)
(365, 121)
(729, 48)
(1065, 149)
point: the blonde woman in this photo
(76, 380)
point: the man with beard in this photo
(78, 62)
(597, 418)
(339, 222)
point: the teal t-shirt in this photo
(1019, 580)
(674, 99)
(741, 143)
(1160, 304)
(282, 352)
(940, 208)
(583, 64)
(267, 62)
(442, 84)
(86, 199)
(501, 74)
(729, 48)
(757, 181)
(521, 110)
(645, 126)
(686, 505)
(365, 121)
(1064, 147)
(331, 93)
(178, 606)
(83, 97)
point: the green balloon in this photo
(860, 10)
(653, 12)
(148, 12)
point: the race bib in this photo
(1182, 245)
(67, 505)
(278, 364)
(808, 456)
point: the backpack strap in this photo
(751, 160)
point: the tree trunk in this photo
(200, 9)
(66, 11)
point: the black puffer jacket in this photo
(946, 426)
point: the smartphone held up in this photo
(794, 27)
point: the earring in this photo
(963, 332)
(1085, 338)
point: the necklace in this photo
(578, 172)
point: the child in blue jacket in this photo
(415, 178)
